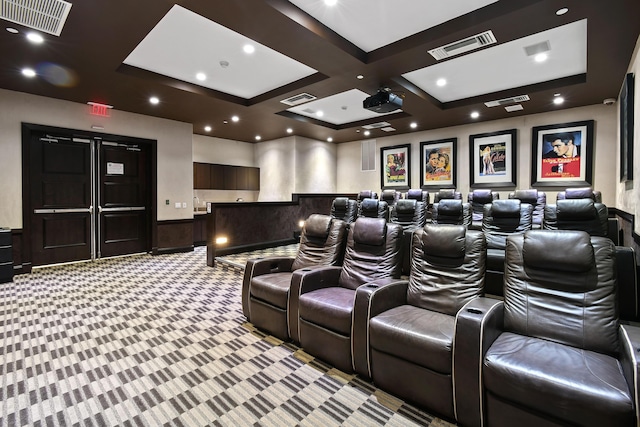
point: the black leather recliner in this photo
(391, 197)
(537, 199)
(372, 208)
(554, 352)
(344, 209)
(580, 193)
(477, 199)
(266, 282)
(451, 211)
(417, 194)
(411, 215)
(445, 194)
(501, 219)
(412, 323)
(321, 314)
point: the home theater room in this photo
(319, 213)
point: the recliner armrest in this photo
(613, 230)
(258, 267)
(478, 324)
(306, 280)
(627, 283)
(372, 299)
(630, 348)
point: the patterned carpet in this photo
(161, 341)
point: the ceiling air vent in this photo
(376, 125)
(298, 99)
(47, 16)
(505, 101)
(464, 45)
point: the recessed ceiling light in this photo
(541, 57)
(28, 72)
(330, 2)
(258, 137)
(249, 48)
(289, 130)
(558, 100)
(367, 133)
(562, 11)
(556, 94)
(413, 125)
(12, 30)
(359, 77)
(441, 82)
(201, 76)
(329, 139)
(319, 113)
(207, 128)
(225, 122)
(35, 38)
(475, 115)
(235, 119)
(154, 100)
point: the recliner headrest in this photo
(341, 202)
(444, 241)
(317, 225)
(509, 208)
(388, 195)
(528, 196)
(447, 193)
(365, 194)
(369, 205)
(414, 194)
(562, 250)
(450, 207)
(482, 196)
(579, 193)
(576, 209)
(406, 205)
(370, 231)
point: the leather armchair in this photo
(445, 194)
(451, 211)
(537, 199)
(612, 228)
(412, 323)
(366, 194)
(554, 352)
(477, 199)
(391, 197)
(344, 209)
(266, 282)
(321, 314)
(501, 219)
(372, 208)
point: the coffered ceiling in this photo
(207, 61)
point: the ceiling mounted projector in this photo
(382, 102)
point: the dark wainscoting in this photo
(257, 225)
(173, 236)
(628, 237)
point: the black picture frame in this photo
(395, 167)
(493, 158)
(444, 175)
(550, 170)
(626, 128)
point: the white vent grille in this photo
(512, 108)
(376, 125)
(504, 101)
(368, 155)
(298, 99)
(464, 45)
(47, 16)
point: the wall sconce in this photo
(301, 223)
(221, 240)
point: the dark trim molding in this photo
(163, 251)
(254, 247)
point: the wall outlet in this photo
(178, 204)
(166, 202)
(184, 205)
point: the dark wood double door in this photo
(88, 197)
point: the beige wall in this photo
(628, 193)
(315, 166)
(351, 179)
(175, 176)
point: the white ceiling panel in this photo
(507, 65)
(184, 43)
(338, 109)
(371, 24)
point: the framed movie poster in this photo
(562, 154)
(394, 171)
(492, 157)
(438, 163)
(626, 129)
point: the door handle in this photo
(66, 210)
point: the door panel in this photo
(60, 198)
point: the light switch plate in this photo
(184, 205)
(178, 205)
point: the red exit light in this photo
(97, 109)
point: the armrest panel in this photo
(389, 293)
(627, 283)
(258, 267)
(303, 281)
(630, 348)
(478, 324)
